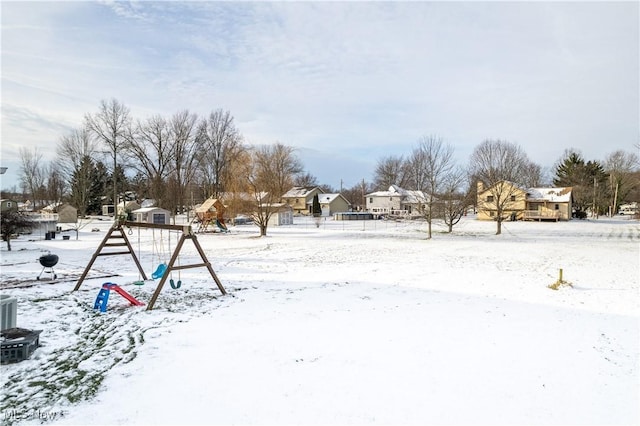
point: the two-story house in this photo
(519, 203)
(395, 201)
(300, 198)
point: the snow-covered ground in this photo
(350, 323)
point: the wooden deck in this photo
(541, 215)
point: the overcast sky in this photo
(346, 82)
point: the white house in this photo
(395, 201)
(629, 209)
(154, 215)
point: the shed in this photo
(7, 204)
(154, 215)
(282, 214)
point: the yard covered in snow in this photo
(354, 322)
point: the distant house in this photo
(395, 201)
(332, 203)
(7, 205)
(300, 197)
(629, 209)
(107, 210)
(549, 204)
(154, 215)
(126, 207)
(521, 203)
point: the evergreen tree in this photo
(81, 184)
(588, 180)
(316, 210)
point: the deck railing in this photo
(541, 215)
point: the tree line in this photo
(181, 160)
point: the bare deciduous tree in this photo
(305, 179)
(111, 127)
(533, 176)
(183, 131)
(32, 174)
(73, 148)
(500, 166)
(429, 165)
(153, 148)
(218, 141)
(56, 183)
(620, 166)
(357, 193)
(269, 175)
(454, 199)
(389, 171)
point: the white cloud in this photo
(359, 78)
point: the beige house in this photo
(520, 203)
(549, 204)
(332, 203)
(300, 198)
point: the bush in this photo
(580, 214)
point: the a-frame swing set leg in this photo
(187, 233)
(105, 243)
(171, 267)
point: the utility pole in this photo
(364, 199)
(593, 207)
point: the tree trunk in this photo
(499, 226)
(263, 230)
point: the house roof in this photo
(277, 206)
(557, 195)
(408, 196)
(300, 191)
(149, 209)
(329, 198)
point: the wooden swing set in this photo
(118, 234)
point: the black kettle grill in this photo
(48, 261)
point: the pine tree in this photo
(588, 180)
(316, 210)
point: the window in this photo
(513, 198)
(390, 198)
(8, 204)
(371, 199)
(489, 198)
(557, 206)
(158, 218)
